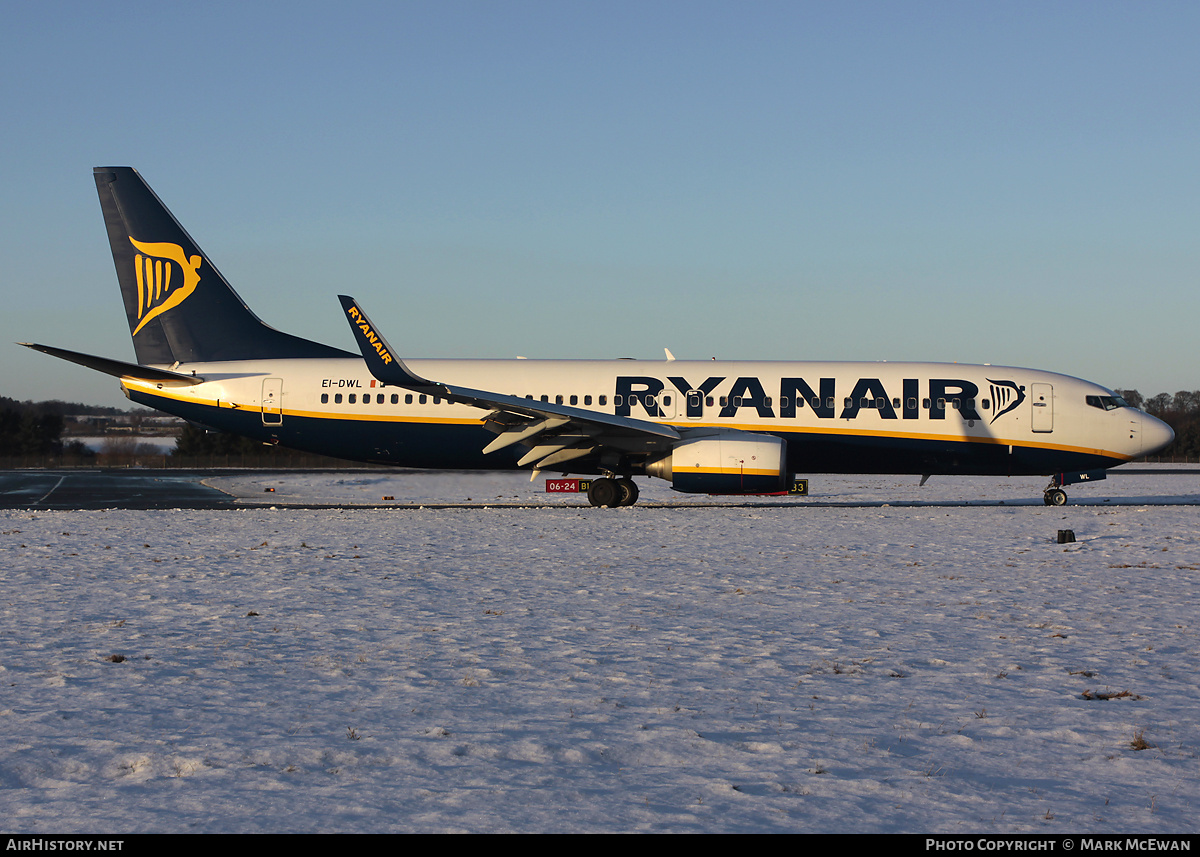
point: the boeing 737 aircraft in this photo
(706, 427)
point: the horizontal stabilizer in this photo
(116, 368)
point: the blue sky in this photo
(1012, 183)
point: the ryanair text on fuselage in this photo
(645, 392)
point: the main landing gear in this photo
(613, 492)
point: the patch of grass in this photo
(1124, 694)
(1139, 742)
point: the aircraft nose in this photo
(1156, 435)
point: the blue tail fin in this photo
(180, 308)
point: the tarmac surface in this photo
(108, 489)
(124, 488)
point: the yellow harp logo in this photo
(159, 285)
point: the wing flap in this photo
(522, 432)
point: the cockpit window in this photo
(1107, 403)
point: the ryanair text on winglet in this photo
(369, 335)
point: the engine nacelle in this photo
(732, 462)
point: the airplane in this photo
(712, 427)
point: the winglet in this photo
(381, 359)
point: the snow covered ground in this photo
(876, 657)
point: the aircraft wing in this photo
(554, 433)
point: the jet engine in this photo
(730, 462)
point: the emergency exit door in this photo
(272, 401)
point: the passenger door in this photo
(1042, 401)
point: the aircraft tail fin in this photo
(180, 308)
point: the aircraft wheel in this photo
(628, 491)
(1056, 497)
(604, 492)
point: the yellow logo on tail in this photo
(154, 266)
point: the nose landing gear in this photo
(1055, 497)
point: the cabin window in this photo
(912, 404)
(558, 400)
(666, 401)
(587, 400)
(324, 398)
(767, 401)
(408, 398)
(603, 400)
(649, 401)
(849, 403)
(574, 400)
(395, 398)
(352, 398)
(337, 398)
(925, 404)
(708, 402)
(896, 403)
(421, 399)
(783, 402)
(546, 399)
(986, 403)
(379, 399)
(618, 401)
(941, 404)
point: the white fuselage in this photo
(921, 417)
